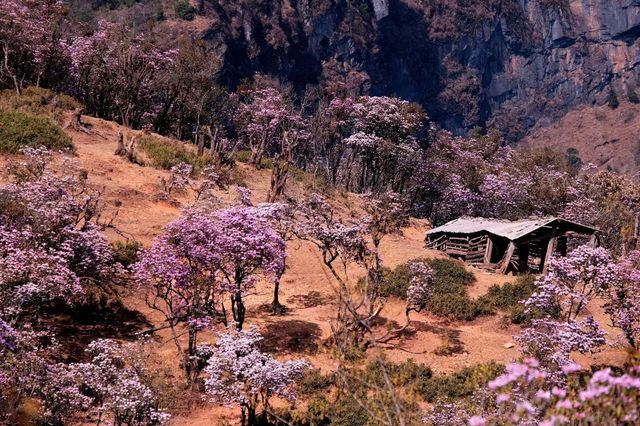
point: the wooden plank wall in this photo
(469, 249)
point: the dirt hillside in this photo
(606, 137)
(307, 289)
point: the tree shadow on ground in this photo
(98, 317)
(290, 336)
(309, 300)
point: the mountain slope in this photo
(504, 63)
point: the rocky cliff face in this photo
(502, 63)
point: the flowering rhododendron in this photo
(201, 259)
(573, 280)
(623, 304)
(562, 295)
(420, 286)
(552, 342)
(50, 248)
(524, 395)
(115, 73)
(378, 146)
(238, 373)
(263, 119)
(30, 41)
(113, 379)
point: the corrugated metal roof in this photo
(508, 229)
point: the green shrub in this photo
(460, 384)
(165, 154)
(632, 96)
(450, 298)
(243, 156)
(450, 277)
(509, 296)
(185, 11)
(20, 129)
(449, 273)
(344, 412)
(126, 252)
(401, 374)
(39, 101)
(314, 381)
(458, 307)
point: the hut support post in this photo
(551, 247)
(507, 258)
(488, 250)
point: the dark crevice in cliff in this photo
(629, 36)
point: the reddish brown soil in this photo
(603, 136)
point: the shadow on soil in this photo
(292, 336)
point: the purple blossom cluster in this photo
(201, 259)
(573, 280)
(421, 285)
(263, 118)
(377, 143)
(524, 395)
(238, 373)
(623, 302)
(50, 248)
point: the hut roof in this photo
(511, 230)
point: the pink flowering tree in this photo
(524, 395)
(115, 378)
(268, 124)
(375, 142)
(561, 297)
(343, 245)
(572, 281)
(26, 371)
(200, 260)
(238, 373)
(31, 45)
(51, 248)
(115, 73)
(623, 304)
(610, 202)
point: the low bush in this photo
(314, 381)
(185, 11)
(165, 154)
(450, 277)
(126, 252)
(509, 297)
(39, 101)
(460, 384)
(450, 299)
(20, 129)
(403, 374)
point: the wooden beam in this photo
(551, 247)
(507, 258)
(487, 251)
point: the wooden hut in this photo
(509, 246)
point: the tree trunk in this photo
(280, 170)
(121, 150)
(238, 310)
(276, 307)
